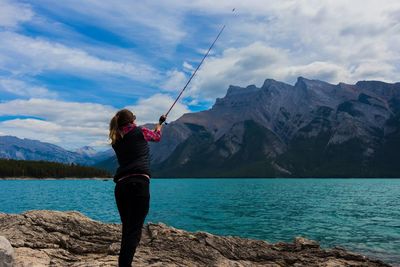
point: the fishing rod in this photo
(198, 67)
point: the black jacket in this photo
(133, 154)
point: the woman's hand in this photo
(158, 127)
(160, 122)
(162, 119)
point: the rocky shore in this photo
(51, 238)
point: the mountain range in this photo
(309, 129)
(12, 147)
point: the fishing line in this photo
(194, 73)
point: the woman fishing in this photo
(132, 178)
(133, 175)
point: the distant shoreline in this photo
(65, 178)
(200, 178)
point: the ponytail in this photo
(122, 118)
(114, 134)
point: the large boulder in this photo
(6, 253)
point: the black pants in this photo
(133, 200)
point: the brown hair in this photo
(121, 118)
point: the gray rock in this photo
(6, 253)
(51, 238)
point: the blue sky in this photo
(67, 66)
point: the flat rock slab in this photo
(52, 238)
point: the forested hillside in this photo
(44, 169)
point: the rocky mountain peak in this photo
(86, 151)
(311, 84)
(237, 90)
(268, 82)
(295, 128)
(382, 89)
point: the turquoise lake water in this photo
(362, 215)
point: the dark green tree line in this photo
(45, 169)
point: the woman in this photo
(132, 177)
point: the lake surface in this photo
(362, 215)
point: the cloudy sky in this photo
(67, 66)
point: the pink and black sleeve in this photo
(150, 135)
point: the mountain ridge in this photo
(12, 147)
(311, 118)
(309, 129)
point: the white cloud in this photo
(332, 40)
(72, 124)
(21, 88)
(161, 20)
(175, 81)
(187, 67)
(69, 124)
(70, 137)
(32, 129)
(324, 71)
(99, 143)
(11, 13)
(60, 112)
(239, 66)
(335, 41)
(150, 109)
(301, 36)
(375, 70)
(20, 54)
(256, 62)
